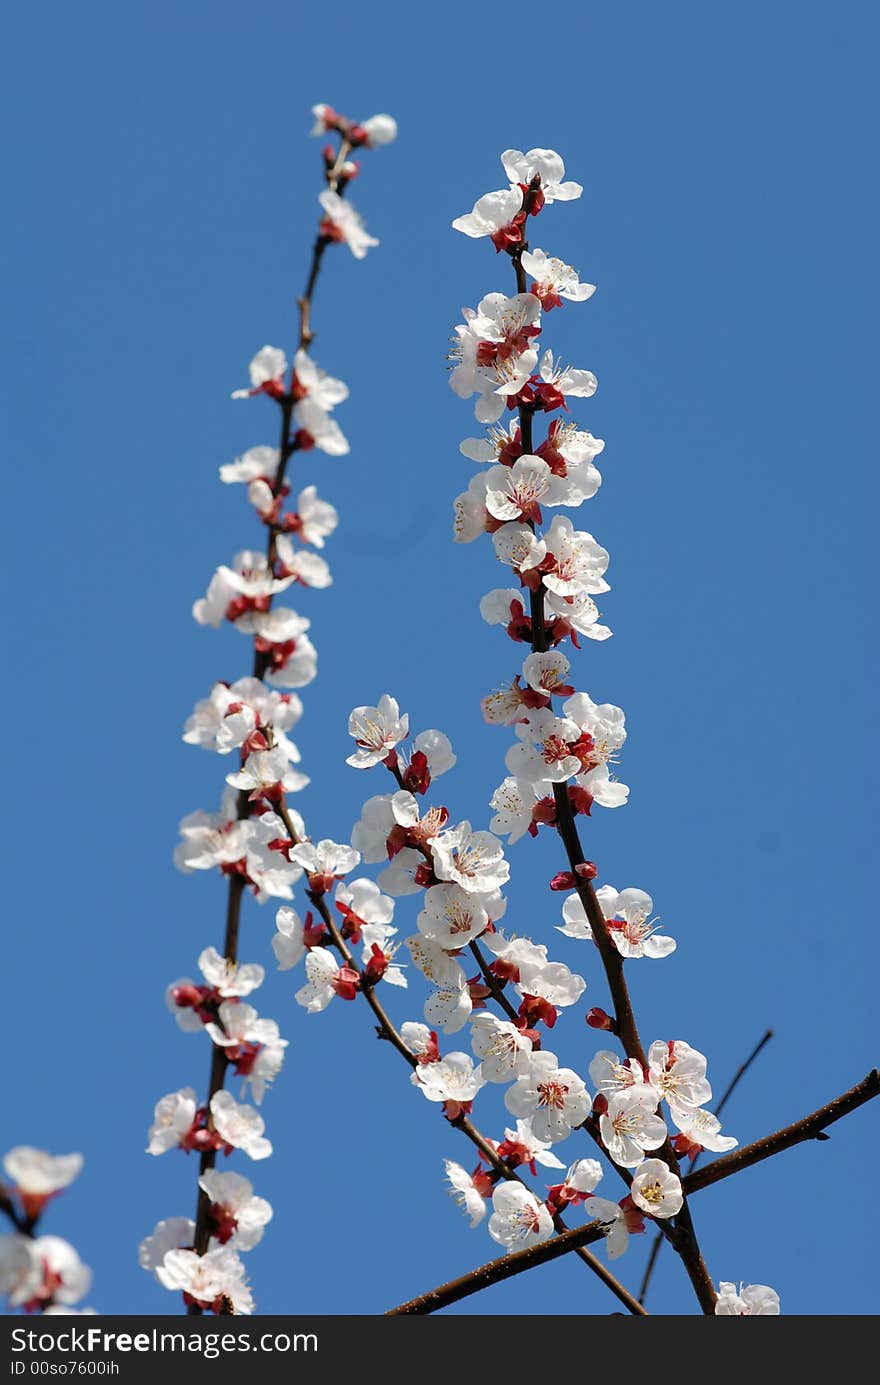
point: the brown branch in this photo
(728, 1093)
(386, 1029)
(810, 1128)
(22, 1224)
(504, 1268)
(625, 1023)
(492, 982)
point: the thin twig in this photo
(492, 982)
(21, 1224)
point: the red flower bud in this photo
(599, 1019)
(563, 880)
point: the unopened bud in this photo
(599, 1019)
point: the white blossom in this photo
(399, 877)
(343, 223)
(518, 1219)
(213, 839)
(174, 1233)
(702, 1128)
(751, 1301)
(548, 749)
(579, 384)
(579, 561)
(678, 1073)
(454, 1078)
(631, 1125)
(656, 1189)
(545, 672)
(309, 569)
(503, 1049)
(449, 1006)
(417, 1037)
(209, 1279)
(288, 943)
(437, 750)
(322, 972)
(466, 1195)
(548, 165)
(613, 1224)
(250, 579)
(229, 716)
(551, 981)
(241, 1025)
(267, 772)
(474, 860)
(554, 1098)
(43, 1270)
(313, 382)
(240, 1126)
(513, 802)
(376, 731)
(20, 1273)
(268, 367)
(583, 1175)
(315, 428)
(379, 130)
(530, 1149)
(257, 464)
(451, 916)
(492, 212)
(609, 1074)
(379, 817)
(244, 1215)
(326, 858)
(580, 612)
(172, 1118)
(36, 1175)
(518, 547)
(230, 979)
(317, 518)
(554, 279)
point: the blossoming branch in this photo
(255, 839)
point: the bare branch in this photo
(504, 1268)
(810, 1128)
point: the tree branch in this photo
(504, 1268)
(492, 982)
(810, 1128)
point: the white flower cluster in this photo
(561, 762)
(254, 1050)
(256, 839)
(39, 1274)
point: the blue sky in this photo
(161, 201)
